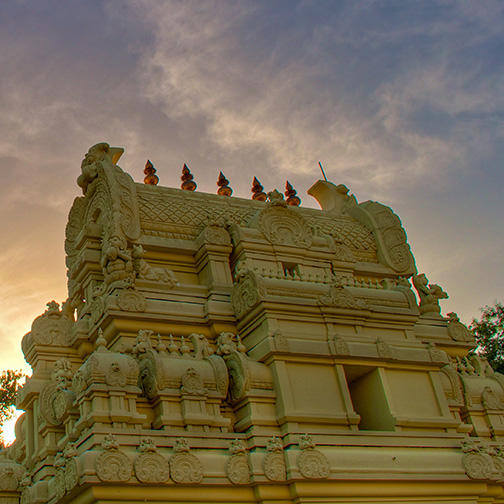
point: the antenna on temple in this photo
(322, 170)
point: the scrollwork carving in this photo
(237, 467)
(150, 466)
(311, 462)
(112, 465)
(184, 466)
(274, 461)
(282, 225)
(477, 463)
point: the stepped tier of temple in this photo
(220, 349)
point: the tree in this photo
(9, 385)
(489, 334)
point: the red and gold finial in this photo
(290, 193)
(257, 191)
(188, 183)
(150, 174)
(223, 183)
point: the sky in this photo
(402, 101)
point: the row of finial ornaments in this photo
(149, 466)
(188, 184)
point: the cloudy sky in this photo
(402, 101)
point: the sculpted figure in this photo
(429, 294)
(145, 270)
(116, 261)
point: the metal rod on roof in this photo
(322, 170)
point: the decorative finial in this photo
(290, 192)
(101, 342)
(257, 191)
(150, 174)
(172, 347)
(223, 183)
(184, 347)
(188, 183)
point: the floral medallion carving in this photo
(112, 465)
(11, 473)
(149, 465)
(478, 461)
(237, 467)
(131, 300)
(311, 462)
(184, 466)
(274, 461)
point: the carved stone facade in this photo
(216, 349)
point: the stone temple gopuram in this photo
(214, 349)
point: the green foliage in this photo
(9, 385)
(489, 334)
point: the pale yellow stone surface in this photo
(215, 349)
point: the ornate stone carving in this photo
(150, 466)
(491, 400)
(385, 351)
(343, 253)
(280, 342)
(248, 290)
(11, 473)
(436, 354)
(59, 488)
(454, 393)
(112, 465)
(117, 263)
(393, 249)
(103, 366)
(100, 164)
(457, 330)
(340, 297)
(477, 463)
(192, 383)
(429, 295)
(148, 272)
(71, 468)
(184, 466)
(56, 398)
(25, 486)
(311, 462)
(51, 328)
(236, 362)
(282, 225)
(131, 300)
(215, 234)
(237, 467)
(274, 461)
(338, 345)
